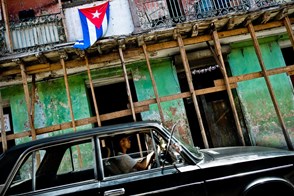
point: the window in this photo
(145, 145)
(25, 179)
(55, 166)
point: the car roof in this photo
(10, 157)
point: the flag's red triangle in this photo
(95, 14)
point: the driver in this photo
(125, 162)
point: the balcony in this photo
(167, 13)
(42, 33)
(34, 34)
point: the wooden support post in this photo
(68, 94)
(93, 92)
(28, 100)
(33, 97)
(127, 82)
(289, 29)
(3, 132)
(121, 56)
(62, 61)
(191, 87)
(217, 54)
(32, 113)
(268, 83)
(6, 20)
(153, 84)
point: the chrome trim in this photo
(248, 173)
(114, 192)
(170, 189)
(266, 179)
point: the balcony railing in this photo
(37, 34)
(3, 47)
(167, 13)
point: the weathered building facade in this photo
(221, 68)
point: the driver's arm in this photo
(142, 165)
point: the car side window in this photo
(25, 177)
(76, 158)
(55, 166)
(142, 144)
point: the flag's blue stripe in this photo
(99, 32)
(86, 34)
(86, 37)
(107, 13)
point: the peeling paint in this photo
(259, 112)
(167, 84)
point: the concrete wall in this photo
(259, 112)
(167, 84)
(51, 105)
(40, 7)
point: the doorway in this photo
(215, 109)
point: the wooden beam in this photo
(230, 24)
(3, 132)
(121, 56)
(153, 84)
(184, 95)
(191, 87)
(33, 98)
(282, 14)
(265, 17)
(220, 61)
(93, 92)
(63, 56)
(270, 88)
(69, 103)
(129, 93)
(27, 98)
(289, 29)
(235, 79)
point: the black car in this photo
(76, 164)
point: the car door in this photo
(67, 168)
(169, 174)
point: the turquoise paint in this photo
(260, 115)
(167, 84)
(51, 105)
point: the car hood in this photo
(231, 155)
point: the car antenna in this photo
(168, 144)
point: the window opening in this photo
(154, 146)
(54, 166)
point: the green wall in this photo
(167, 84)
(51, 105)
(261, 118)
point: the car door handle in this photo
(114, 192)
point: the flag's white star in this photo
(96, 14)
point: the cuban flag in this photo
(94, 22)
